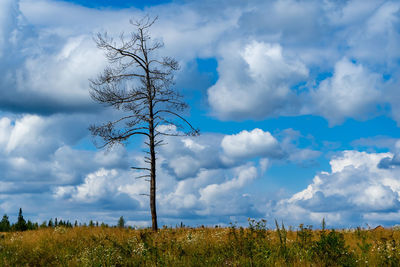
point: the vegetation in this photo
(20, 225)
(254, 245)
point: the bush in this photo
(331, 250)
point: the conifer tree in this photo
(121, 222)
(30, 225)
(5, 224)
(21, 223)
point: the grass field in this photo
(231, 246)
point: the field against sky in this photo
(298, 103)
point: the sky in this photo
(298, 105)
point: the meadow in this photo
(254, 245)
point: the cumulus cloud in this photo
(379, 32)
(251, 144)
(212, 193)
(189, 155)
(216, 193)
(288, 21)
(59, 81)
(49, 53)
(255, 83)
(39, 150)
(352, 92)
(393, 98)
(104, 187)
(37, 157)
(38, 160)
(195, 180)
(391, 162)
(290, 142)
(37, 137)
(354, 189)
(335, 59)
(262, 77)
(44, 73)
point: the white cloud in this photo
(44, 72)
(269, 64)
(335, 31)
(256, 143)
(289, 141)
(354, 188)
(38, 160)
(26, 131)
(5, 130)
(49, 65)
(214, 193)
(350, 12)
(62, 78)
(379, 33)
(255, 82)
(393, 97)
(210, 193)
(65, 19)
(38, 149)
(102, 184)
(37, 137)
(189, 155)
(218, 193)
(188, 33)
(193, 181)
(11, 26)
(352, 92)
(291, 45)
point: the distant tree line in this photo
(20, 225)
(23, 225)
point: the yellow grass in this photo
(254, 246)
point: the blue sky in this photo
(297, 102)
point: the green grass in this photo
(230, 246)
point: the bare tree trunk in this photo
(154, 225)
(153, 209)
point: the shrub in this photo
(331, 250)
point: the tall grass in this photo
(231, 246)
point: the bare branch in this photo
(139, 168)
(195, 132)
(142, 176)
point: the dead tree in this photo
(138, 82)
